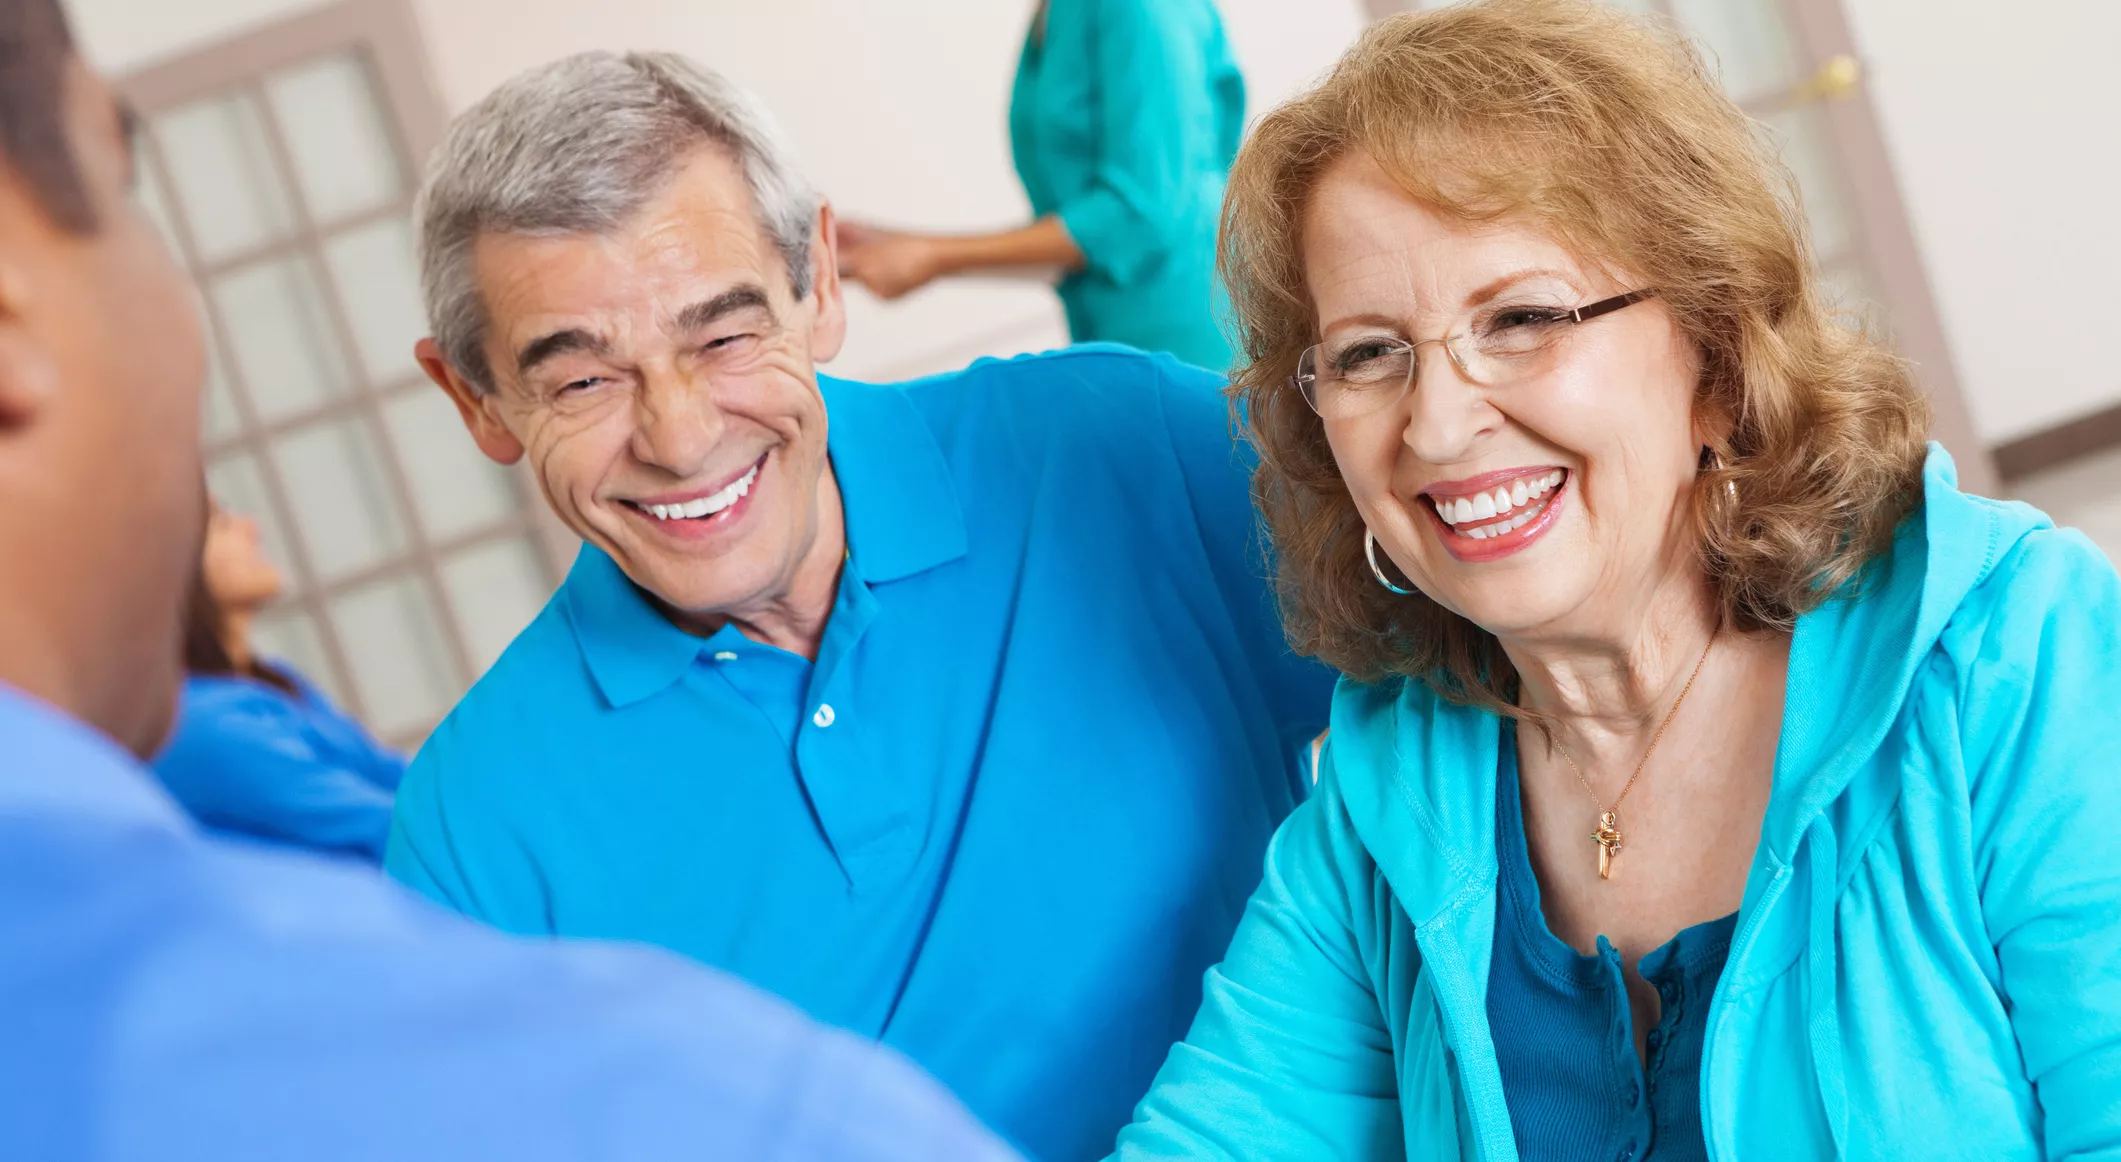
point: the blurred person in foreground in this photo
(955, 711)
(258, 750)
(1714, 778)
(1123, 120)
(165, 994)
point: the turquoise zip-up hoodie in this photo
(1928, 956)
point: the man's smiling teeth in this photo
(1484, 506)
(706, 505)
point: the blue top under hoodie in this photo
(1928, 955)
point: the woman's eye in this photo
(1523, 317)
(1362, 353)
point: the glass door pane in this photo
(337, 484)
(345, 156)
(220, 163)
(372, 267)
(283, 342)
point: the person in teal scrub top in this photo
(1125, 118)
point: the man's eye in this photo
(578, 386)
(728, 341)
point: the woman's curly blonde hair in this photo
(1608, 133)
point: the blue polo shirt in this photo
(1014, 809)
(168, 995)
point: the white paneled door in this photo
(280, 168)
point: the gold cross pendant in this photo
(1608, 839)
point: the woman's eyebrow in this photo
(1366, 319)
(1489, 291)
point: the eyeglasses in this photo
(1353, 377)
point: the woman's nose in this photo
(1447, 412)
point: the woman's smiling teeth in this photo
(1526, 496)
(705, 505)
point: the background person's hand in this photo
(890, 263)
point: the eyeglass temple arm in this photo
(1608, 306)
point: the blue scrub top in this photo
(1124, 119)
(167, 996)
(248, 758)
(1012, 812)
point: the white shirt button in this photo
(824, 715)
(724, 656)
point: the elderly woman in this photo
(1712, 778)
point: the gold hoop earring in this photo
(1369, 552)
(1712, 461)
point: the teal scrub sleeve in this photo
(1153, 90)
(2036, 692)
(1217, 463)
(1289, 1057)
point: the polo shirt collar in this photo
(902, 507)
(903, 517)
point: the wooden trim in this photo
(2052, 447)
(386, 30)
(1895, 260)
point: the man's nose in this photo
(677, 423)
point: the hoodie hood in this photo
(1420, 782)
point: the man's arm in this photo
(1217, 465)
(1289, 1058)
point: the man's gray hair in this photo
(579, 146)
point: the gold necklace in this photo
(1607, 837)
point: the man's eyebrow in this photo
(557, 343)
(748, 297)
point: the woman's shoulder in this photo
(1413, 776)
(2046, 584)
(220, 698)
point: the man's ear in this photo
(29, 377)
(828, 328)
(481, 416)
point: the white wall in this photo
(2003, 121)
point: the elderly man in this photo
(167, 995)
(962, 720)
